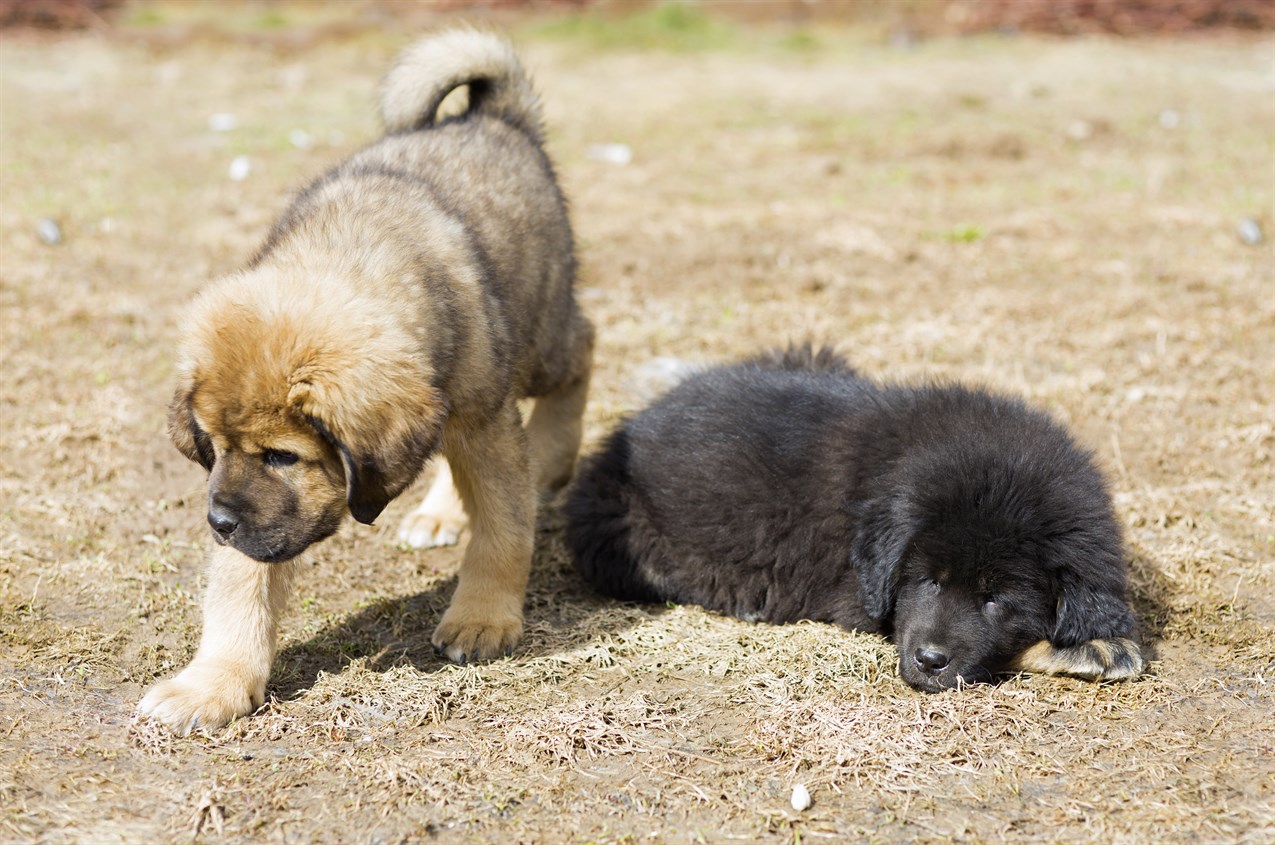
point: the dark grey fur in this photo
(964, 525)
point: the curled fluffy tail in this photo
(432, 68)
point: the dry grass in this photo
(1053, 218)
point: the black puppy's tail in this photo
(600, 524)
(805, 358)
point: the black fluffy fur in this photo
(964, 525)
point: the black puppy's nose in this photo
(223, 521)
(931, 662)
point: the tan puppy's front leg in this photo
(228, 676)
(493, 475)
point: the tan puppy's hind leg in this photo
(227, 678)
(493, 474)
(554, 432)
(440, 517)
(557, 420)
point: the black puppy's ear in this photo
(1091, 610)
(191, 440)
(883, 534)
(383, 445)
(1093, 624)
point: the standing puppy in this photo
(400, 308)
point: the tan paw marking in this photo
(1096, 660)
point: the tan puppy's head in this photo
(300, 410)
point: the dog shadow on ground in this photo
(1151, 595)
(561, 613)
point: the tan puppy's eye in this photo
(279, 458)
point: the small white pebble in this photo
(1251, 231)
(222, 121)
(800, 798)
(48, 231)
(1080, 130)
(619, 154)
(240, 166)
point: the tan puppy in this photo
(399, 309)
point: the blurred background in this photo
(900, 18)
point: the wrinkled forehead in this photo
(237, 419)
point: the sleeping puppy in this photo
(400, 308)
(968, 528)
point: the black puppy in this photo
(965, 526)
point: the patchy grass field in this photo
(1053, 218)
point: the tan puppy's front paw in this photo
(477, 633)
(204, 696)
(439, 519)
(427, 529)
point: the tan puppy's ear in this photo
(384, 430)
(191, 440)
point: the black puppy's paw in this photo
(1097, 660)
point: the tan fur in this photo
(400, 309)
(227, 678)
(435, 59)
(554, 432)
(485, 616)
(440, 517)
(1096, 660)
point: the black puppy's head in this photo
(965, 608)
(998, 554)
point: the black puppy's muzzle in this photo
(930, 661)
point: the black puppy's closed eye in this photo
(279, 458)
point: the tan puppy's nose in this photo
(223, 521)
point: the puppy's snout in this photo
(223, 521)
(930, 661)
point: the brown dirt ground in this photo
(1053, 218)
